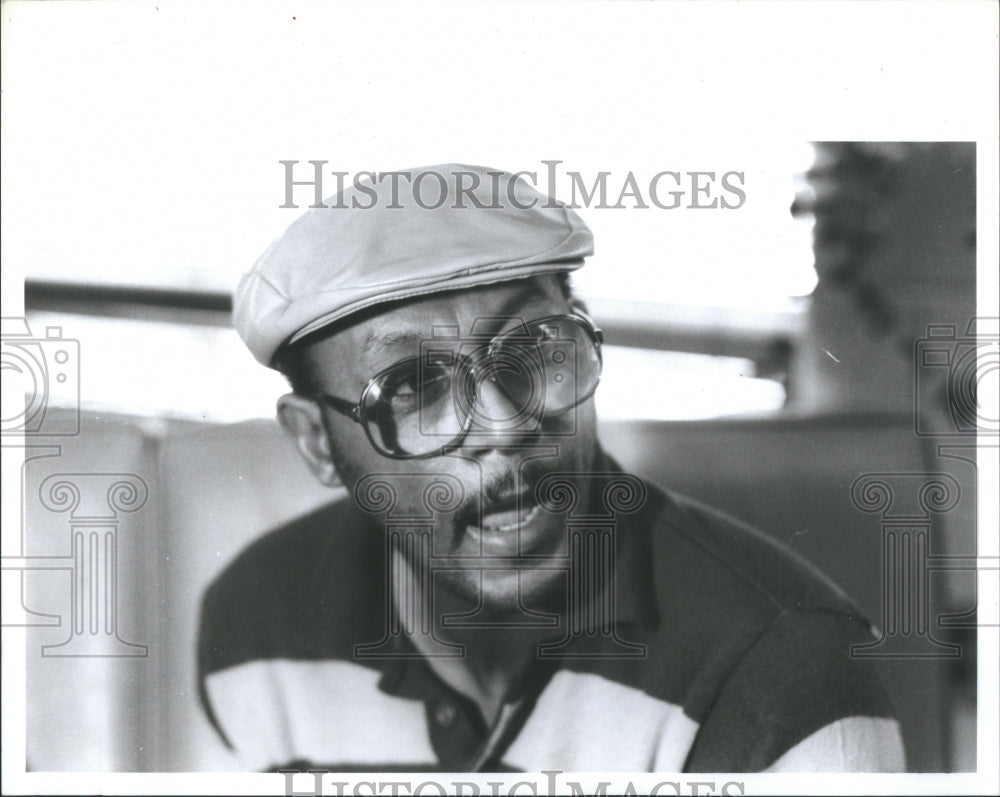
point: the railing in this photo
(767, 337)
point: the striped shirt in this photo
(745, 662)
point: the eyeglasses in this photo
(422, 405)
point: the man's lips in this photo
(507, 526)
(508, 518)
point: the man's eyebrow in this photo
(515, 302)
(386, 340)
(377, 340)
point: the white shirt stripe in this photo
(585, 722)
(277, 710)
(852, 744)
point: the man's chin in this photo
(506, 593)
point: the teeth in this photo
(519, 517)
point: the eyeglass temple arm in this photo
(581, 311)
(343, 406)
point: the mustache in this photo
(504, 489)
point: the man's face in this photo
(496, 466)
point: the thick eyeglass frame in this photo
(358, 412)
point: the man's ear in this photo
(303, 420)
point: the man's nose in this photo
(498, 418)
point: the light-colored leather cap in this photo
(429, 229)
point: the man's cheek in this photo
(575, 431)
(571, 428)
(347, 474)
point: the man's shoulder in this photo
(719, 586)
(739, 621)
(282, 594)
(767, 661)
(713, 553)
(277, 560)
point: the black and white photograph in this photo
(500, 398)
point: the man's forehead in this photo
(387, 334)
(469, 310)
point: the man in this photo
(494, 592)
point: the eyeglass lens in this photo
(538, 369)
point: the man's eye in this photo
(414, 382)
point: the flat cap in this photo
(402, 234)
